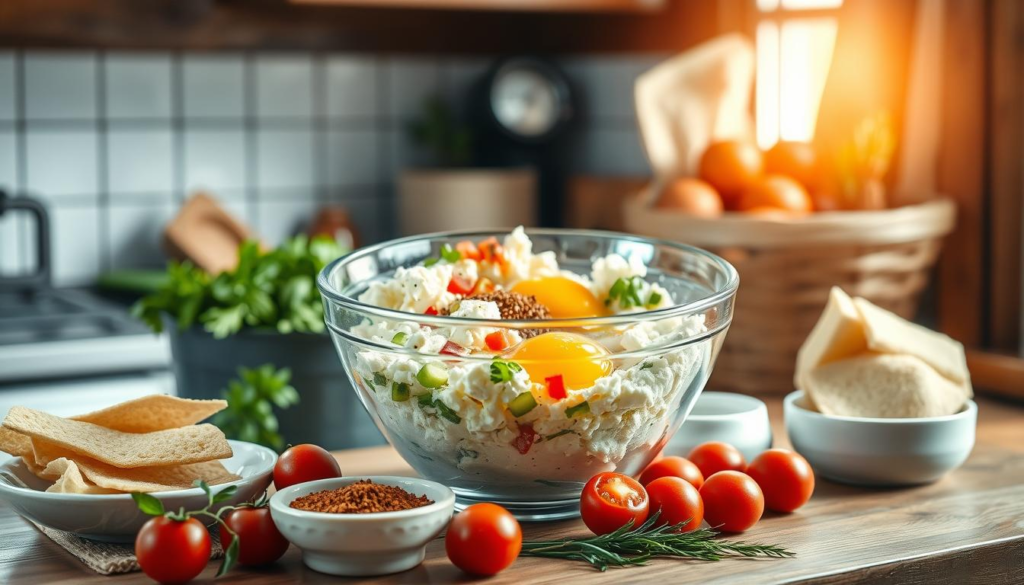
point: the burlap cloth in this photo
(104, 557)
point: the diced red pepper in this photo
(469, 250)
(452, 348)
(556, 387)
(491, 251)
(525, 439)
(430, 311)
(459, 287)
(496, 341)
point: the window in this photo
(795, 39)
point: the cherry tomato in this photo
(785, 478)
(715, 456)
(611, 500)
(303, 463)
(672, 466)
(170, 551)
(678, 501)
(259, 541)
(483, 539)
(732, 501)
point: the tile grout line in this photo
(21, 146)
(103, 164)
(249, 106)
(179, 195)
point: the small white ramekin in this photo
(880, 451)
(737, 419)
(360, 545)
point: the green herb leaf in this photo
(654, 299)
(148, 504)
(379, 379)
(230, 556)
(450, 255)
(252, 397)
(430, 261)
(446, 412)
(502, 371)
(225, 494)
(646, 366)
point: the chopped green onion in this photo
(581, 408)
(432, 375)
(379, 379)
(431, 261)
(446, 412)
(646, 366)
(522, 404)
(654, 299)
(400, 338)
(399, 392)
(558, 434)
(424, 400)
(503, 371)
(450, 255)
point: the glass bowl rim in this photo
(329, 292)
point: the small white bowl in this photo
(880, 451)
(116, 517)
(737, 419)
(361, 545)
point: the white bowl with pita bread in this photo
(880, 451)
(116, 517)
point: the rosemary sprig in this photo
(628, 546)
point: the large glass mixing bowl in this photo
(478, 440)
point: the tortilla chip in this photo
(143, 479)
(70, 480)
(192, 444)
(884, 386)
(148, 414)
(14, 443)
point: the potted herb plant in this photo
(266, 310)
(454, 194)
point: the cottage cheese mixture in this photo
(539, 405)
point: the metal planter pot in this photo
(328, 413)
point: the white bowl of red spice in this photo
(362, 526)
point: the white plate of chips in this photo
(77, 474)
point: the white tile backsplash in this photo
(213, 86)
(9, 161)
(351, 87)
(352, 157)
(410, 82)
(62, 163)
(215, 160)
(284, 86)
(60, 85)
(140, 162)
(8, 87)
(285, 159)
(138, 86)
(134, 234)
(75, 244)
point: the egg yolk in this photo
(565, 298)
(577, 359)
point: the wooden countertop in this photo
(966, 528)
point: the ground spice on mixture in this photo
(361, 497)
(513, 305)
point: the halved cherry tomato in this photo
(678, 502)
(785, 478)
(452, 348)
(459, 286)
(259, 541)
(556, 387)
(430, 311)
(483, 539)
(525, 439)
(732, 501)
(715, 456)
(672, 466)
(303, 463)
(612, 500)
(468, 250)
(170, 551)
(496, 341)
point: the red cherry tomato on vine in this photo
(611, 500)
(259, 541)
(303, 463)
(170, 551)
(672, 466)
(483, 539)
(732, 501)
(678, 502)
(715, 456)
(785, 478)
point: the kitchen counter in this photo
(966, 528)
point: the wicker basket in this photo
(787, 267)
